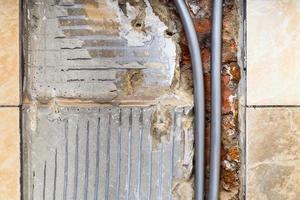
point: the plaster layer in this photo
(106, 153)
(84, 50)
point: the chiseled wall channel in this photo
(139, 56)
(231, 183)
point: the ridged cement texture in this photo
(76, 47)
(73, 153)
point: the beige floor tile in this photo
(273, 154)
(9, 52)
(273, 60)
(9, 154)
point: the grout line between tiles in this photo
(10, 106)
(273, 106)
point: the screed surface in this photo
(81, 54)
(103, 153)
(76, 47)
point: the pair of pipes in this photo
(199, 105)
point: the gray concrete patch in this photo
(89, 153)
(94, 37)
(93, 50)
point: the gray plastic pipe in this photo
(216, 64)
(198, 96)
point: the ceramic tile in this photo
(9, 154)
(9, 52)
(273, 54)
(273, 154)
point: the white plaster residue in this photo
(33, 113)
(159, 51)
(153, 38)
(134, 38)
(167, 45)
(232, 98)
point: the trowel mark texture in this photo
(101, 153)
(76, 47)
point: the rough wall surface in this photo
(201, 11)
(88, 53)
(118, 62)
(77, 47)
(104, 153)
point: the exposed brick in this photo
(202, 26)
(229, 53)
(230, 79)
(235, 72)
(234, 153)
(226, 93)
(205, 55)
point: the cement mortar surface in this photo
(84, 49)
(105, 153)
(86, 53)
